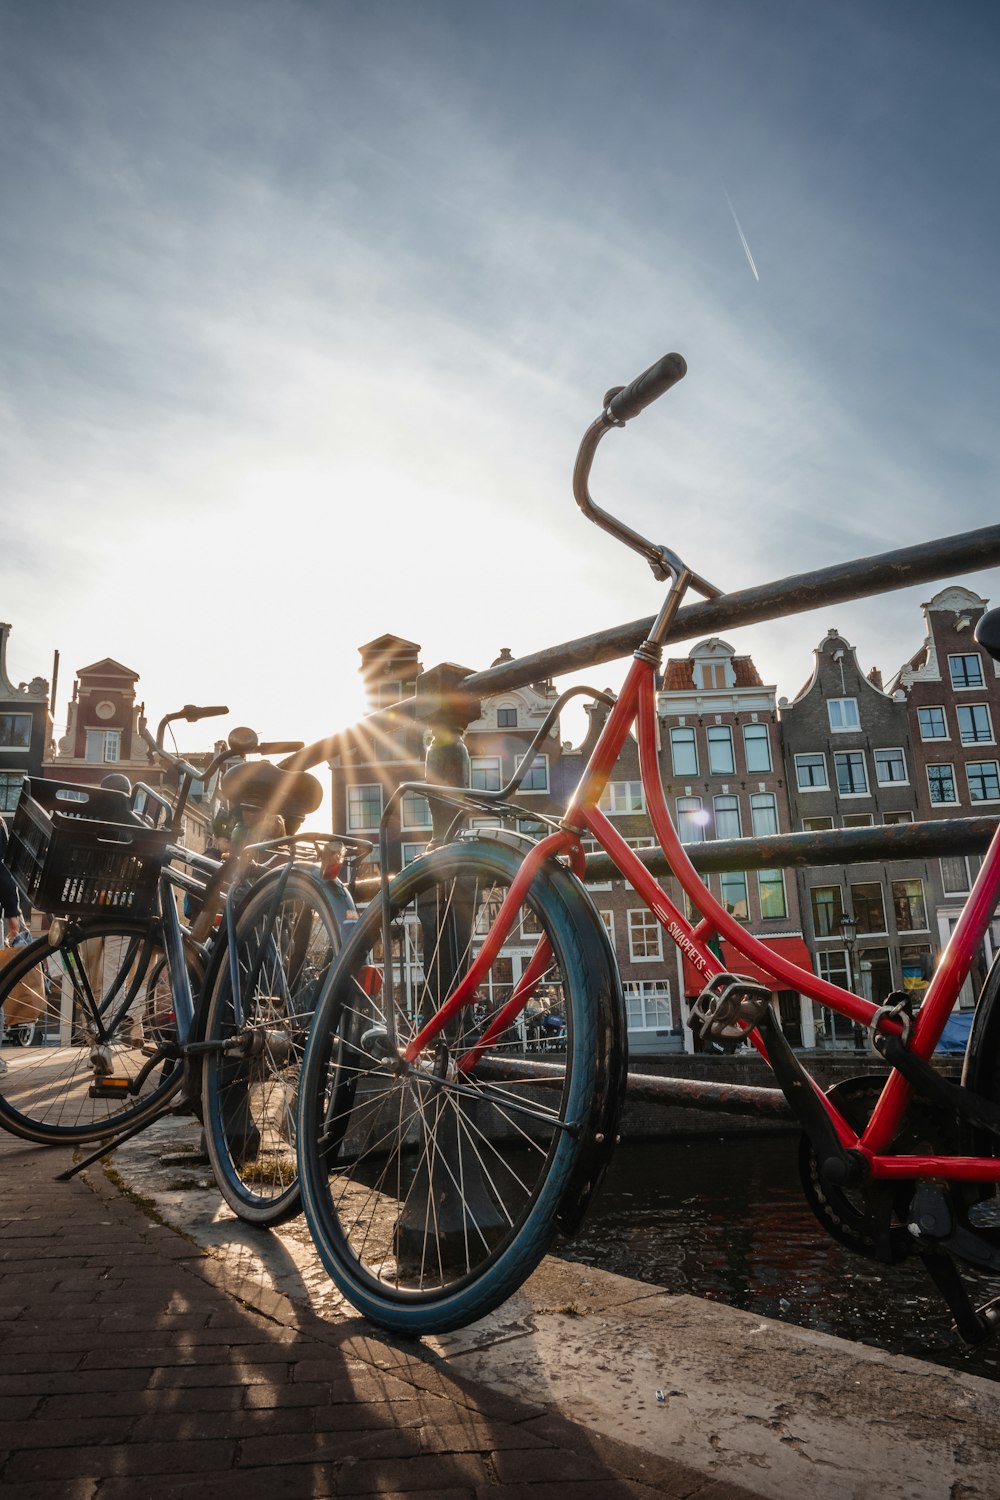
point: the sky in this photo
(305, 307)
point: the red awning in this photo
(791, 948)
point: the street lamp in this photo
(848, 925)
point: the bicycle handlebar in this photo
(624, 402)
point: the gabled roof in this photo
(386, 643)
(678, 675)
(107, 667)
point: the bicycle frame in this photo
(637, 703)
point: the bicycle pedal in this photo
(729, 1007)
(111, 1088)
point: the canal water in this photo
(726, 1219)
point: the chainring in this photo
(856, 1215)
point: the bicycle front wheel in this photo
(433, 1188)
(91, 1067)
(287, 936)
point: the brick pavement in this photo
(128, 1371)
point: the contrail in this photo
(743, 238)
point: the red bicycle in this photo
(436, 1164)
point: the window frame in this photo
(851, 755)
(884, 750)
(355, 787)
(720, 735)
(942, 765)
(646, 925)
(975, 739)
(776, 880)
(728, 812)
(933, 708)
(684, 729)
(812, 755)
(975, 765)
(854, 728)
(771, 800)
(966, 656)
(488, 764)
(761, 735)
(12, 716)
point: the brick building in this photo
(951, 690)
(25, 729)
(849, 762)
(724, 778)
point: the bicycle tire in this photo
(87, 991)
(287, 935)
(419, 1242)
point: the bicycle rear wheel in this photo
(287, 936)
(91, 1068)
(433, 1189)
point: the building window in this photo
(506, 718)
(852, 776)
(832, 966)
(608, 918)
(917, 966)
(690, 820)
(622, 797)
(966, 671)
(713, 675)
(591, 846)
(858, 820)
(827, 910)
(810, 773)
(647, 1003)
(644, 936)
(897, 817)
(364, 806)
(974, 727)
(958, 871)
(15, 731)
(684, 752)
(733, 893)
(485, 773)
(414, 811)
(941, 781)
(410, 852)
(771, 885)
(757, 747)
(908, 901)
(816, 825)
(868, 906)
(727, 818)
(843, 714)
(933, 724)
(984, 783)
(890, 767)
(103, 746)
(10, 789)
(764, 813)
(537, 778)
(720, 750)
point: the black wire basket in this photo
(82, 849)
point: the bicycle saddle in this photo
(290, 793)
(987, 633)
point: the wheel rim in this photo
(429, 1173)
(80, 1074)
(283, 955)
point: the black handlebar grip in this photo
(630, 400)
(192, 714)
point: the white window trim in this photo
(852, 796)
(419, 846)
(891, 750)
(647, 917)
(843, 728)
(405, 822)
(607, 916)
(951, 801)
(981, 801)
(482, 762)
(784, 899)
(725, 738)
(933, 739)
(359, 786)
(648, 989)
(811, 754)
(610, 793)
(535, 791)
(694, 746)
(972, 687)
(989, 719)
(765, 738)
